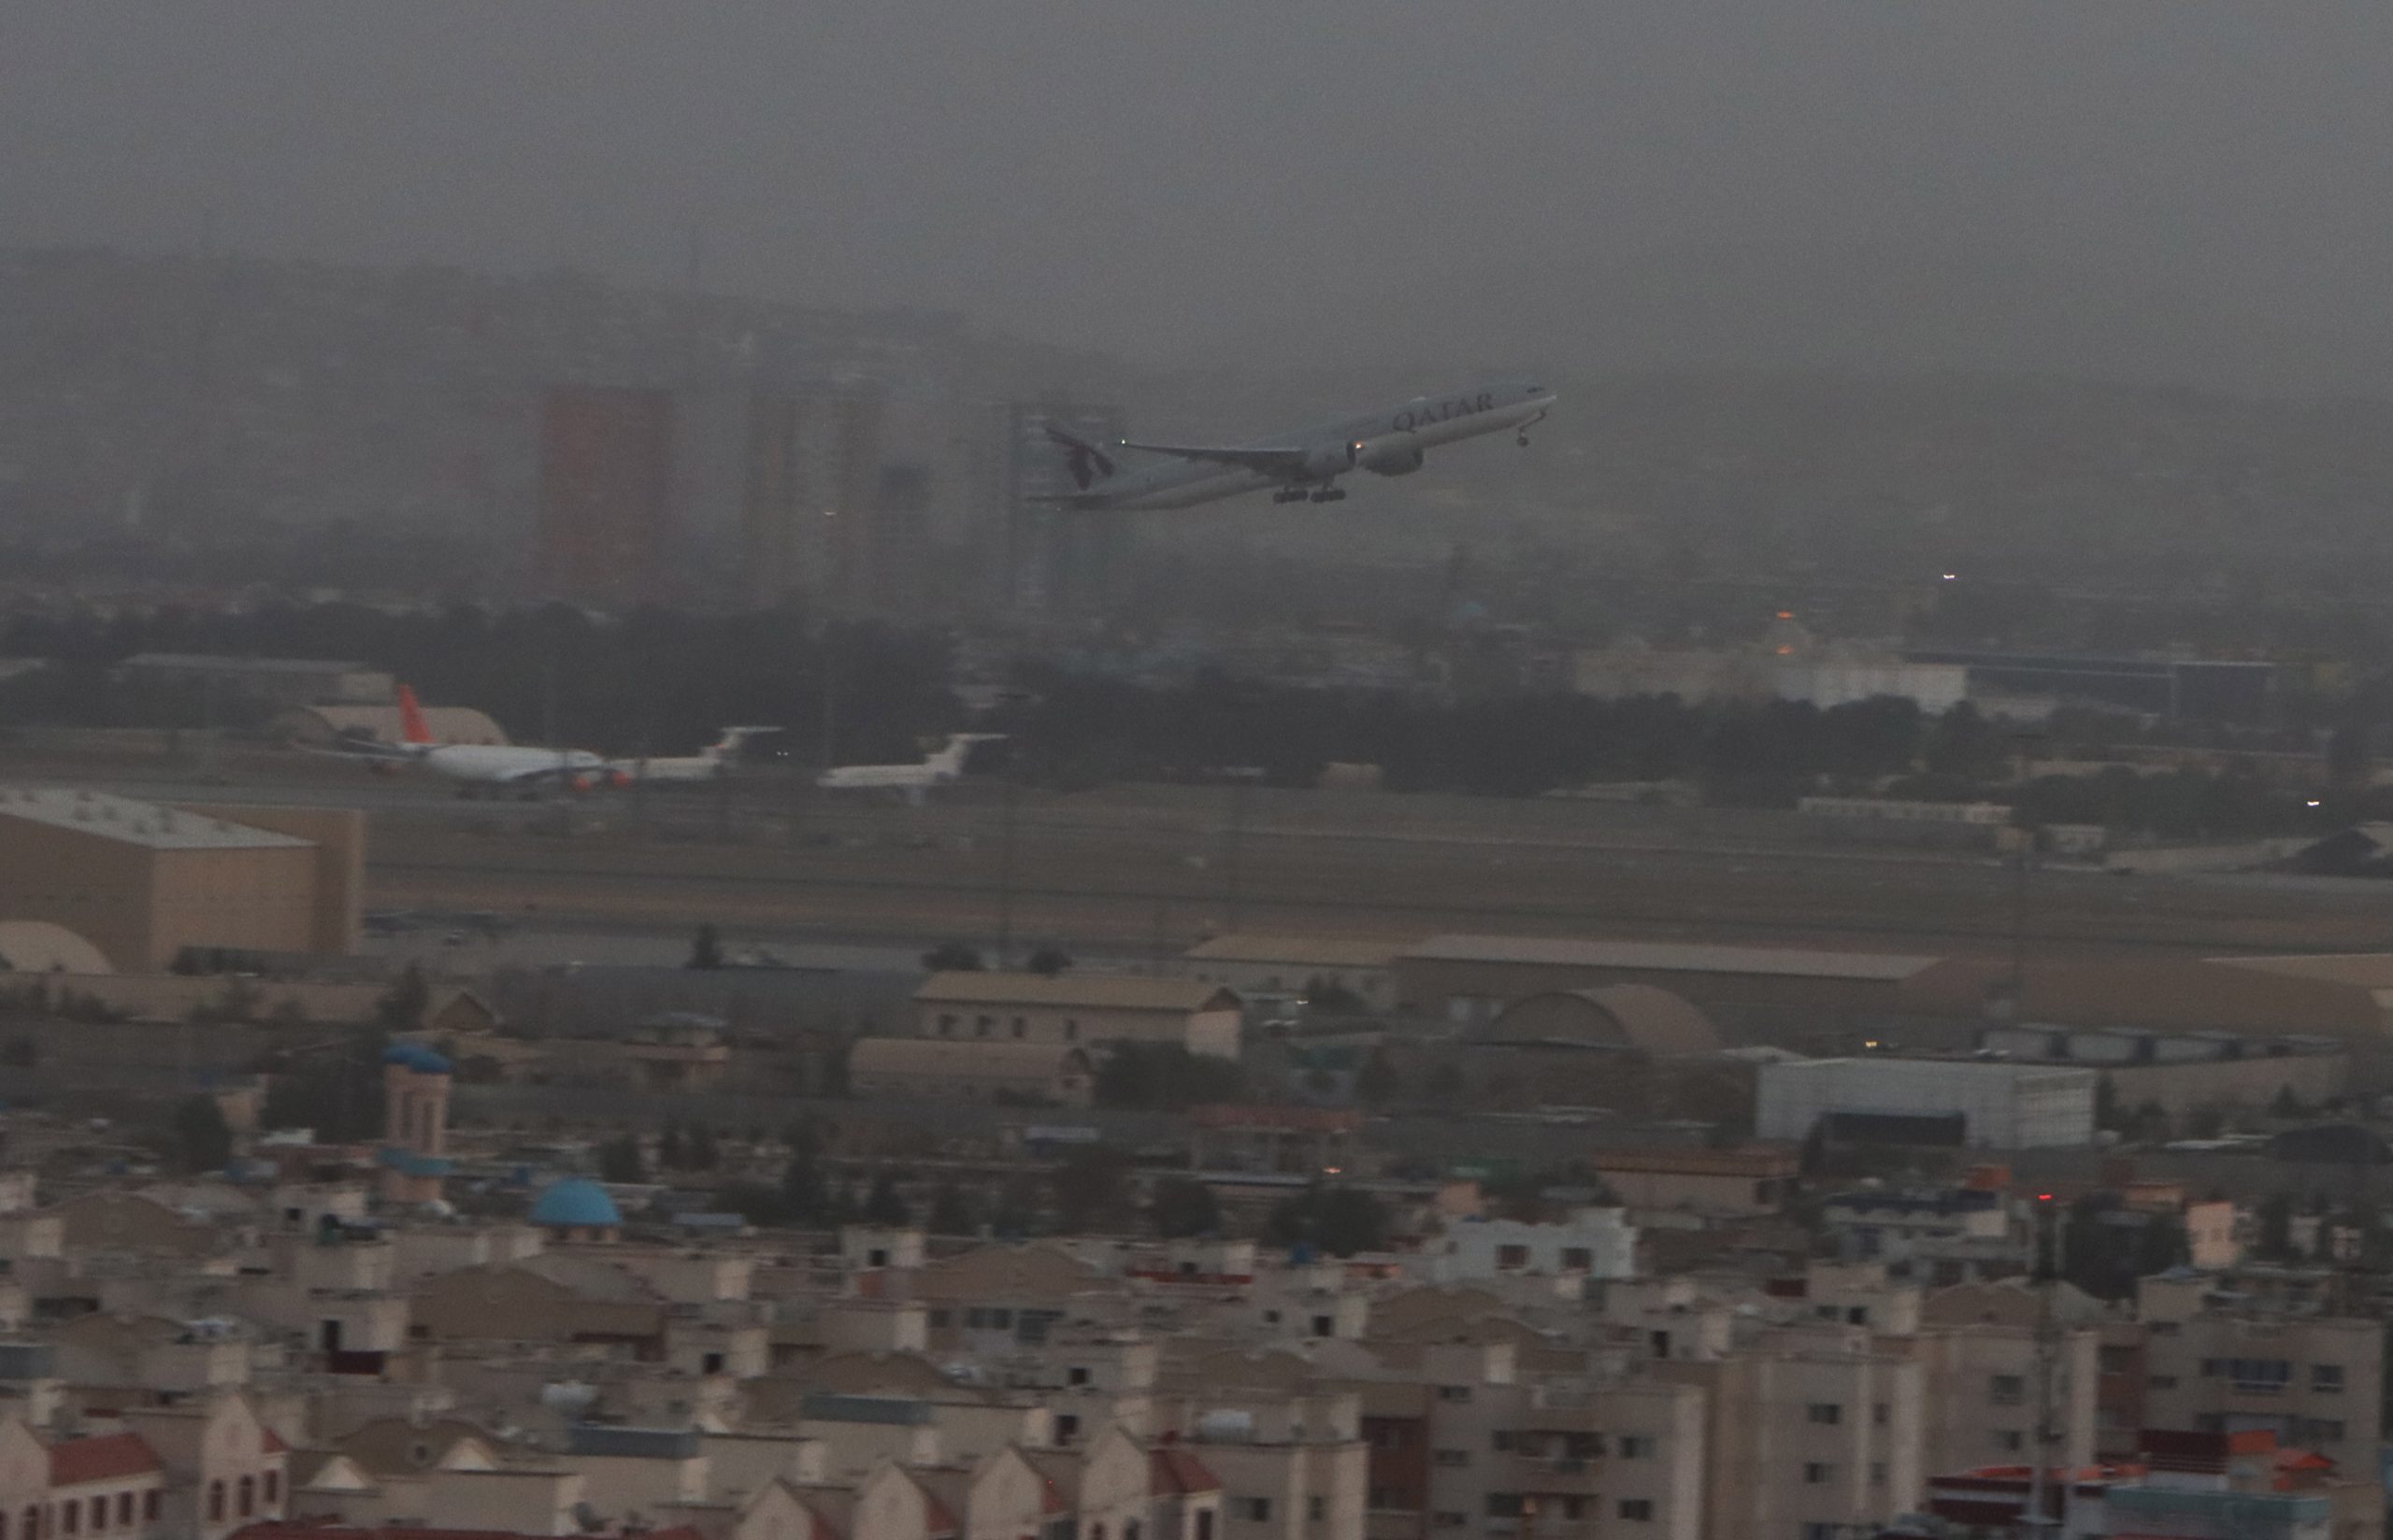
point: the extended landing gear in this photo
(1330, 494)
(1521, 438)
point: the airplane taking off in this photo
(1300, 467)
(938, 768)
(474, 766)
(712, 763)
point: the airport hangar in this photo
(143, 881)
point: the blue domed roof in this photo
(416, 1057)
(577, 1203)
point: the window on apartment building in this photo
(273, 1486)
(1446, 1519)
(99, 1514)
(1877, 1473)
(1132, 1528)
(1204, 1524)
(32, 1524)
(216, 1502)
(1097, 1531)
(1578, 1259)
(1880, 1414)
(2162, 1328)
(1634, 1446)
(1453, 1392)
(710, 1364)
(1511, 1258)
(1500, 1441)
(2009, 1439)
(71, 1516)
(946, 1026)
(2310, 1430)
(1503, 1505)
(939, 1319)
(1382, 1499)
(246, 1496)
(1020, 1025)
(1323, 1325)
(1857, 1315)
(1450, 1459)
(1818, 1472)
(1254, 1510)
(2160, 1382)
(2118, 1361)
(1068, 1427)
(2326, 1377)
(124, 1508)
(1316, 1509)
(1637, 1511)
(1819, 1532)
(1071, 1030)
(1076, 1374)
(2007, 1390)
(149, 1506)
(1828, 1414)
(980, 1025)
(4, 1526)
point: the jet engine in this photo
(1328, 460)
(1391, 459)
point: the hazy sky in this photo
(1162, 178)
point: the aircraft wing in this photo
(1264, 462)
(533, 774)
(362, 749)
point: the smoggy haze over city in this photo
(1201, 181)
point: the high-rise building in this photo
(811, 512)
(606, 493)
(1057, 560)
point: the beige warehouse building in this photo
(142, 881)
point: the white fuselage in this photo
(504, 764)
(1390, 437)
(884, 777)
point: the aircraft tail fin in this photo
(727, 746)
(1087, 464)
(412, 728)
(949, 757)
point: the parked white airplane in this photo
(938, 768)
(1301, 465)
(475, 765)
(712, 763)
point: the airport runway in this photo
(1133, 869)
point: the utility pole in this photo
(1005, 877)
(2034, 1521)
(2023, 856)
(1233, 849)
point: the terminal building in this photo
(144, 882)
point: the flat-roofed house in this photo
(1078, 1010)
(1256, 963)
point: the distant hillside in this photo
(1873, 309)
